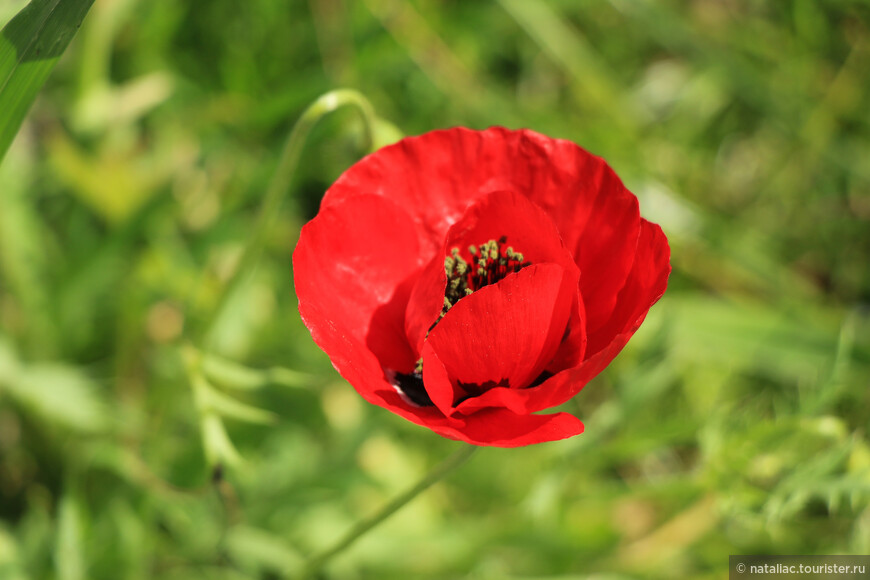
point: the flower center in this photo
(487, 264)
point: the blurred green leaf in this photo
(69, 556)
(228, 407)
(570, 50)
(232, 375)
(113, 184)
(10, 566)
(60, 394)
(218, 446)
(25, 255)
(57, 393)
(263, 551)
(30, 46)
(751, 335)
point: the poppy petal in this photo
(504, 334)
(426, 302)
(439, 174)
(607, 244)
(646, 284)
(502, 428)
(573, 348)
(353, 267)
(491, 427)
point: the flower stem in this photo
(459, 457)
(280, 183)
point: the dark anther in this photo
(412, 385)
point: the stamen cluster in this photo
(489, 263)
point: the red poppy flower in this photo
(467, 280)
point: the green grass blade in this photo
(30, 46)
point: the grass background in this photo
(734, 422)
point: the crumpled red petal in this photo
(506, 334)
(439, 174)
(491, 427)
(573, 348)
(645, 285)
(502, 428)
(353, 268)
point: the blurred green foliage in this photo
(734, 422)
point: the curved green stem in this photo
(280, 183)
(459, 457)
